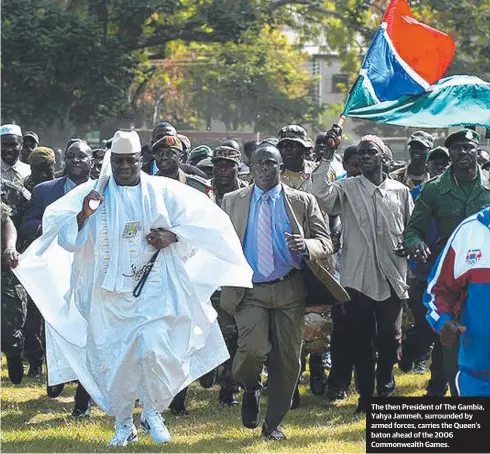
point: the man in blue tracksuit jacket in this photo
(458, 300)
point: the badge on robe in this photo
(131, 229)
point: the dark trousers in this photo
(419, 339)
(373, 326)
(270, 322)
(420, 336)
(340, 375)
(230, 335)
(34, 334)
(14, 312)
(82, 398)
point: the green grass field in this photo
(32, 422)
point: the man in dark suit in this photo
(282, 231)
(78, 163)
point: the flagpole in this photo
(339, 126)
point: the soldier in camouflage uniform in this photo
(295, 147)
(42, 161)
(168, 151)
(14, 297)
(226, 160)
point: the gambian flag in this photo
(400, 79)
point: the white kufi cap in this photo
(10, 129)
(126, 142)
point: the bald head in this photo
(80, 146)
(266, 164)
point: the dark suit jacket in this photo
(43, 195)
(305, 218)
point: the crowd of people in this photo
(307, 250)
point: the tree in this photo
(72, 61)
(261, 82)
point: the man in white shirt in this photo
(136, 322)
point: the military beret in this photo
(41, 155)
(200, 151)
(169, 142)
(438, 151)
(463, 134)
(423, 138)
(227, 153)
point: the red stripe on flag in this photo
(426, 50)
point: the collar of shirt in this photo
(449, 182)
(273, 193)
(371, 188)
(18, 166)
(69, 185)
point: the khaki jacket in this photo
(305, 218)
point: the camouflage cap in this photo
(423, 138)
(294, 133)
(186, 142)
(41, 155)
(228, 154)
(463, 134)
(438, 151)
(168, 142)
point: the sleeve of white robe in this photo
(200, 223)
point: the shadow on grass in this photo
(225, 443)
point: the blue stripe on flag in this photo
(386, 73)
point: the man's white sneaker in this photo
(125, 433)
(152, 422)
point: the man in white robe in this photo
(123, 347)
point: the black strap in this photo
(147, 269)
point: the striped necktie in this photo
(264, 239)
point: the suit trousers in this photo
(373, 326)
(270, 321)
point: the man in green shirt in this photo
(462, 190)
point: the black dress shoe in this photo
(335, 393)
(35, 371)
(318, 384)
(80, 413)
(251, 409)
(275, 434)
(55, 391)
(405, 365)
(295, 402)
(179, 411)
(209, 380)
(227, 398)
(15, 369)
(386, 390)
